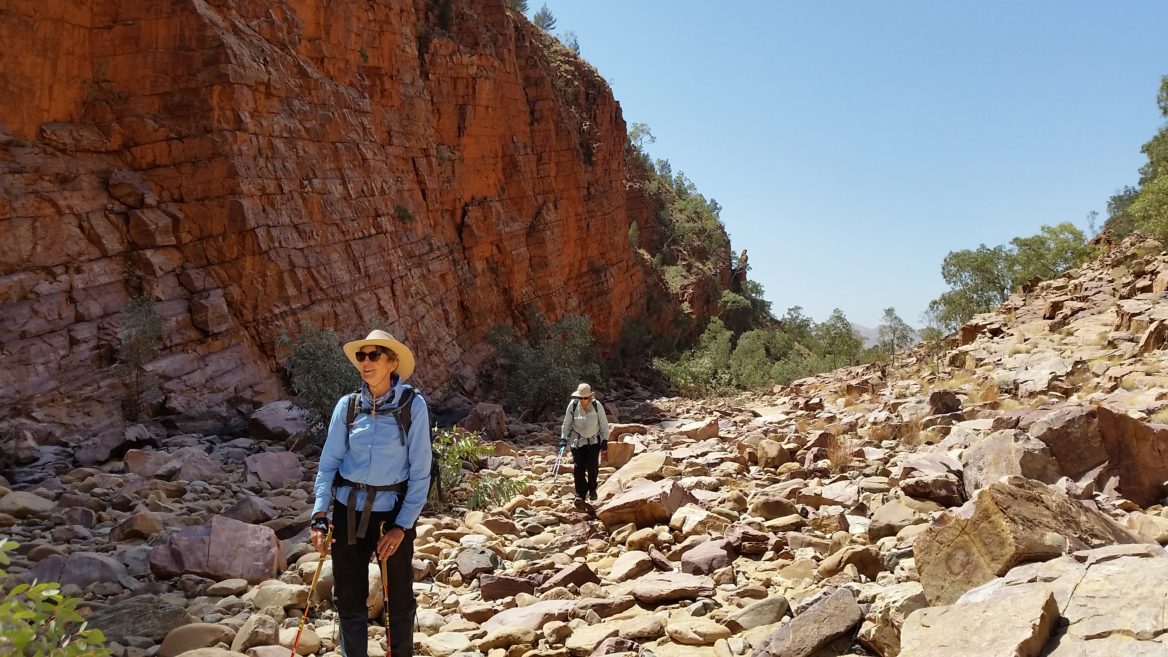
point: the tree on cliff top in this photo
(544, 19)
(1145, 209)
(518, 5)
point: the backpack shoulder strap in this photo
(404, 412)
(352, 409)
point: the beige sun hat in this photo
(405, 357)
(583, 391)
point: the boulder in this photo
(661, 588)
(646, 505)
(830, 618)
(1004, 453)
(222, 549)
(1006, 524)
(143, 615)
(1022, 622)
(490, 420)
(1137, 453)
(273, 468)
(277, 422)
(1072, 435)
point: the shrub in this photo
(319, 374)
(492, 490)
(456, 449)
(634, 235)
(139, 331)
(37, 621)
(403, 213)
(537, 373)
(704, 368)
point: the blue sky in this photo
(852, 145)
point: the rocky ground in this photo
(999, 495)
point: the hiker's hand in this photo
(389, 543)
(317, 535)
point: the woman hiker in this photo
(376, 476)
(585, 431)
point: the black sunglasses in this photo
(373, 356)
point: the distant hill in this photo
(870, 335)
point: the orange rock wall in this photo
(251, 164)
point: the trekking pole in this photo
(385, 598)
(556, 469)
(328, 540)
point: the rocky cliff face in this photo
(251, 164)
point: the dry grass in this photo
(838, 452)
(988, 392)
(909, 433)
(1020, 348)
(1160, 416)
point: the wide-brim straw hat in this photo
(583, 391)
(405, 357)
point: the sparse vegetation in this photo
(140, 331)
(36, 620)
(488, 491)
(403, 213)
(458, 449)
(536, 373)
(319, 374)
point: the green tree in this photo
(1146, 210)
(538, 372)
(571, 42)
(1054, 250)
(979, 280)
(140, 331)
(518, 5)
(544, 19)
(838, 340)
(895, 333)
(319, 373)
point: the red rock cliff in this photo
(250, 164)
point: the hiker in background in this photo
(585, 431)
(376, 477)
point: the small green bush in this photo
(37, 621)
(491, 490)
(403, 213)
(457, 448)
(319, 374)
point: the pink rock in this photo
(273, 468)
(223, 549)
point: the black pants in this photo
(351, 585)
(586, 468)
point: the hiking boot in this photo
(578, 501)
(592, 495)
